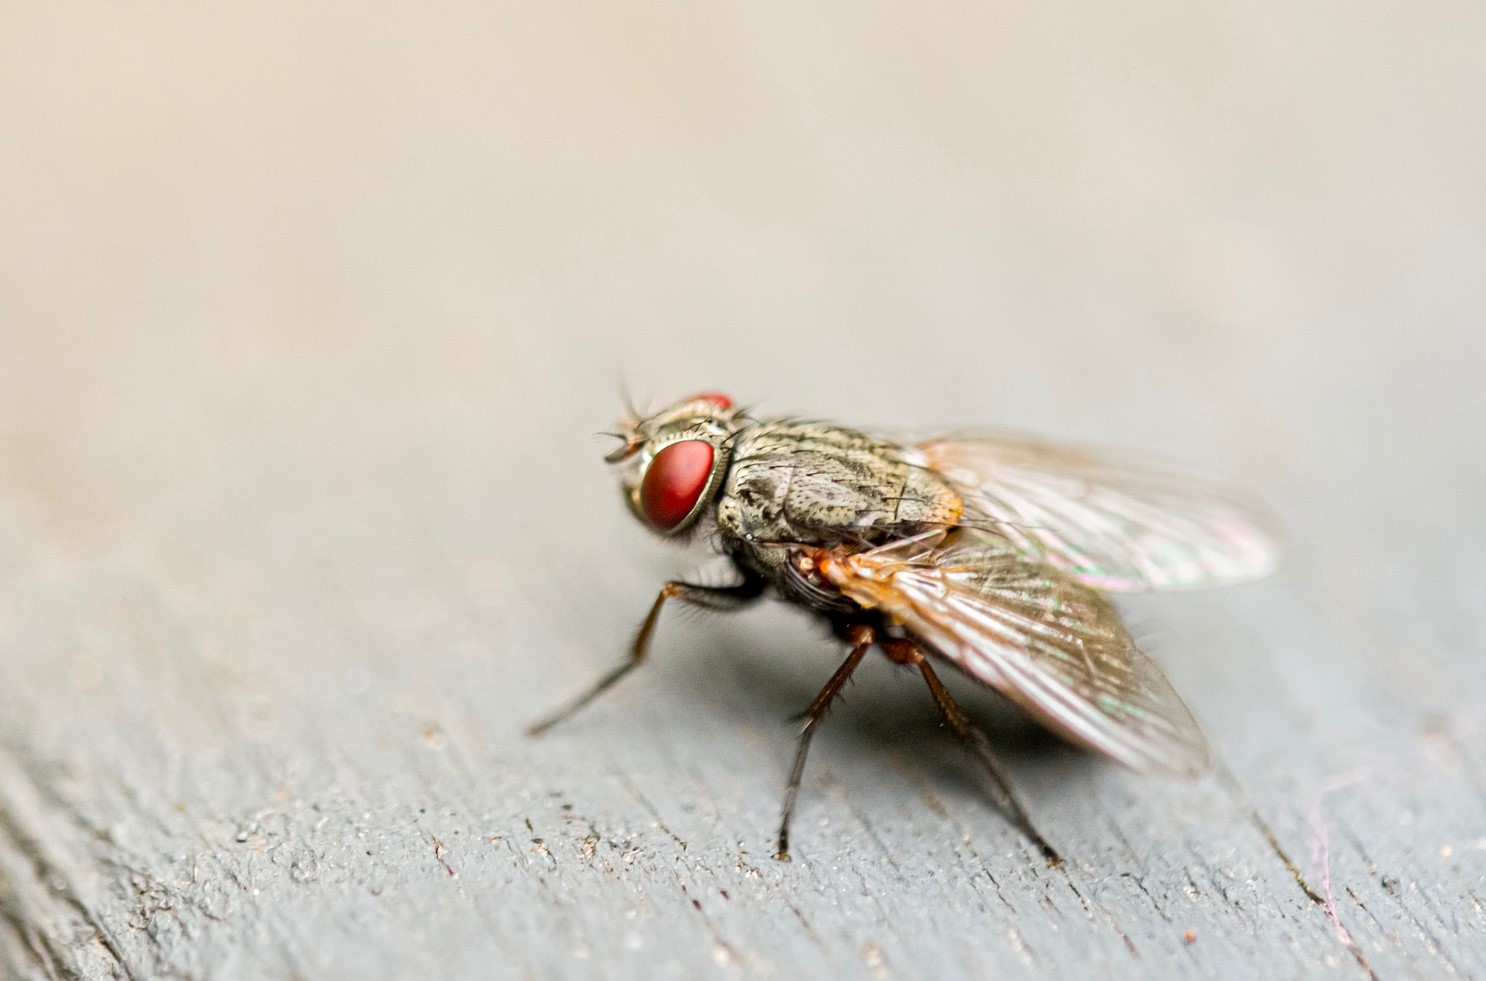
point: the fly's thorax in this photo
(820, 484)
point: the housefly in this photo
(991, 553)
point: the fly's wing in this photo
(1055, 647)
(1107, 524)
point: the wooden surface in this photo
(307, 316)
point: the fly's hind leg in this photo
(708, 597)
(907, 652)
(861, 637)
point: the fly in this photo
(990, 553)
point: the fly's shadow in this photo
(757, 673)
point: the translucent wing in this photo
(1055, 647)
(1108, 524)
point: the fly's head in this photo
(672, 463)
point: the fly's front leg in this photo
(709, 597)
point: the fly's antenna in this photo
(628, 400)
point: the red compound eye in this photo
(674, 481)
(716, 398)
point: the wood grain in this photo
(307, 323)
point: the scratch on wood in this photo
(805, 925)
(838, 792)
(723, 953)
(1321, 847)
(1246, 807)
(1390, 887)
(439, 853)
(644, 802)
(966, 839)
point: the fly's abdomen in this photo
(820, 484)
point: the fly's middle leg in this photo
(861, 637)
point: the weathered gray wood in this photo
(306, 318)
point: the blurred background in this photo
(446, 237)
(1054, 213)
(309, 313)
